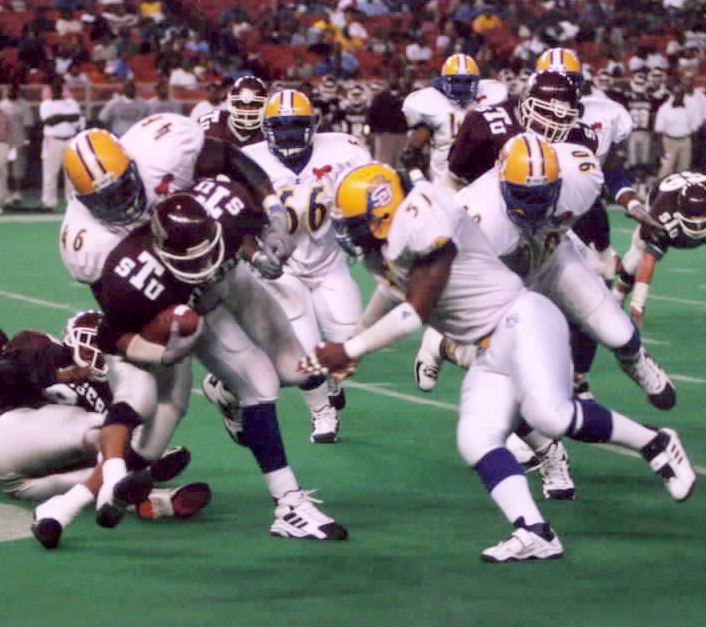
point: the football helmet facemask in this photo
(691, 210)
(562, 60)
(365, 202)
(187, 240)
(79, 334)
(459, 79)
(106, 180)
(549, 106)
(246, 103)
(289, 125)
(530, 180)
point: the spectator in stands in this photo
(162, 102)
(68, 23)
(183, 75)
(119, 69)
(302, 69)
(19, 112)
(41, 22)
(388, 125)
(61, 118)
(338, 63)
(371, 8)
(76, 76)
(118, 18)
(123, 110)
(32, 49)
(487, 19)
(105, 49)
(152, 10)
(68, 51)
(353, 35)
(690, 57)
(418, 51)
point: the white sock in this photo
(280, 482)
(628, 433)
(512, 495)
(114, 470)
(65, 507)
(317, 398)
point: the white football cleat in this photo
(651, 377)
(525, 456)
(666, 456)
(557, 483)
(228, 404)
(525, 544)
(324, 425)
(296, 516)
(179, 502)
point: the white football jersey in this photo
(582, 180)
(480, 287)
(307, 197)
(444, 117)
(164, 147)
(609, 119)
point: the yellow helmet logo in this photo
(93, 160)
(460, 64)
(558, 60)
(372, 192)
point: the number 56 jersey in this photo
(307, 197)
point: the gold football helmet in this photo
(289, 125)
(530, 180)
(104, 177)
(562, 60)
(365, 202)
(459, 79)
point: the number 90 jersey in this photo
(523, 251)
(307, 197)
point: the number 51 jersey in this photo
(307, 197)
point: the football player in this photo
(241, 122)
(435, 266)
(678, 201)
(188, 254)
(434, 114)
(316, 289)
(54, 397)
(117, 183)
(354, 110)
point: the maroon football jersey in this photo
(35, 358)
(135, 286)
(219, 125)
(484, 132)
(662, 203)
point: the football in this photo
(157, 330)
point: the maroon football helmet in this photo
(79, 334)
(187, 239)
(246, 103)
(549, 105)
(691, 210)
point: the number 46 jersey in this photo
(307, 197)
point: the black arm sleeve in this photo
(219, 157)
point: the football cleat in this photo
(666, 456)
(651, 377)
(557, 483)
(296, 516)
(324, 425)
(536, 542)
(130, 490)
(428, 360)
(215, 392)
(180, 502)
(47, 531)
(171, 464)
